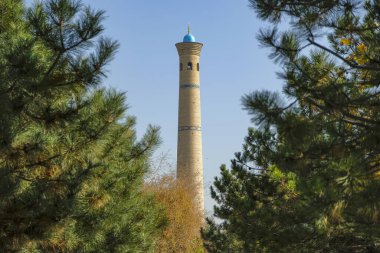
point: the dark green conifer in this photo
(308, 177)
(71, 168)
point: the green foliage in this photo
(308, 177)
(71, 168)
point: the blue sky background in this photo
(146, 68)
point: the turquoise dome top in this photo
(188, 37)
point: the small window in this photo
(180, 66)
(189, 66)
(198, 66)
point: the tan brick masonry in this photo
(189, 149)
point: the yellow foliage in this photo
(182, 233)
(377, 174)
(345, 41)
(360, 54)
(361, 48)
(323, 81)
(337, 209)
(99, 201)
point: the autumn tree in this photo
(71, 167)
(182, 231)
(307, 179)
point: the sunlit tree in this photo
(307, 179)
(71, 168)
(182, 231)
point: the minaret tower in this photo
(189, 149)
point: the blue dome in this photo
(189, 38)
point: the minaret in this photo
(189, 149)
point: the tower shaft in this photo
(189, 149)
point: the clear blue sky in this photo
(146, 67)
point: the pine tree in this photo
(307, 179)
(71, 168)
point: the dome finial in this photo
(188, 37)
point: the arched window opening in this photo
(180, 66)
(189, 66)
(198, 66)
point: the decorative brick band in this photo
(189, 128)
(191, 86)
